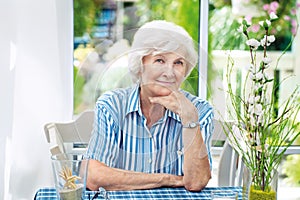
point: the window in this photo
(103, 34)
(225, 18)
(100, 45)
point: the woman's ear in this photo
(142, 66)
(139, 74)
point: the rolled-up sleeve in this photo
(103, 146)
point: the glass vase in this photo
(70, 173)
(251, 193)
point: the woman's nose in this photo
(169, 69)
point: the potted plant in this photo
(261, 134)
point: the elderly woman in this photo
(153, 134)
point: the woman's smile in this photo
(166, 83)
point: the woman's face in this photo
(164, 69)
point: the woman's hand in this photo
(176, 102)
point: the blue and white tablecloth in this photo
(159, 193)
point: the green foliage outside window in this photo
(79, 82)
(84, 19)
(84, 15)
(224, 22)
(188, 17)
(291, 167)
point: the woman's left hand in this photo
(177, 103)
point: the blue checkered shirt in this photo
(121, 138)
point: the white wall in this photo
(36, 87)
(6, 84)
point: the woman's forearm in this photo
(196, 167)
(196, 164)
(99, 175)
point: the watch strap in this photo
(191, 125)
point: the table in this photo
(159, 193)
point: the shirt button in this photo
(179, 152)
(150, 136)
(150, 161)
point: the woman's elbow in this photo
(91, 181)
(195, 185)
(93, 176)
(91, 184)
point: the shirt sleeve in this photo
(103, 146)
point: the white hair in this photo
(160, 36)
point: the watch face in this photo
(192, 125)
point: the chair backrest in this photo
(72, 136)
(230, 169)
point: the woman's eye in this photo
(179, 62)
(159, 60)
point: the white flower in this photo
(273, 15)
(253, 99)
(256, 119)
(263, 42)
(267, 60)
(271, 38)
(265, 24)
(259, 76)
(257, 86)
(257, 98)
(248, 21)
(252, 76)
(253, 43)
(261, 23)
(256, 109)
(241, 29)
(260, 118)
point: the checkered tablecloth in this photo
(160, 193)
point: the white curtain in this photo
(36, 74)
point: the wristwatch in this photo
(191, 125)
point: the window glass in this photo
(103, 32)
(225, 17)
